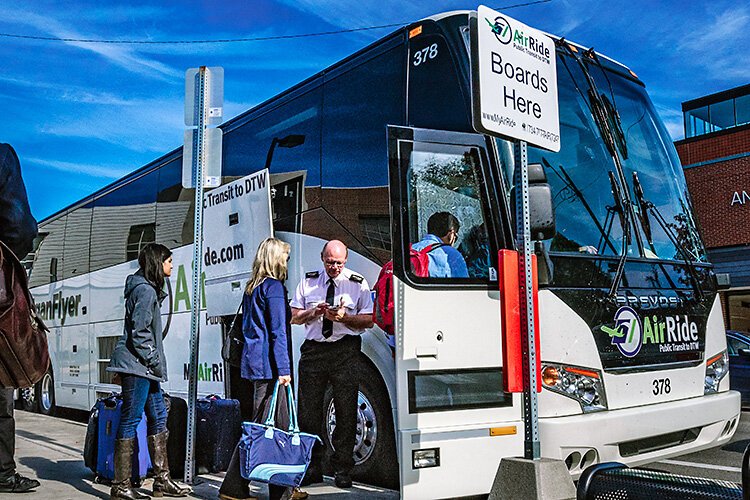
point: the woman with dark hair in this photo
(266, 357)
(139, 360)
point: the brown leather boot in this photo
(121, 486)
(163, 482)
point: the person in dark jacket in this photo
(266, 357)
(17, 230)
(139, 360)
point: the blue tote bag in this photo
(272, 455)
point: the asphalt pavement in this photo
(51, 450)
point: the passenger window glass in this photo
(47, 266)
(357, 104)
(445, 212)
(121, 217)
(77, 238)
(175, 207)
(435, 97)
(286, 140)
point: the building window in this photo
(739, 312)
(716, 116)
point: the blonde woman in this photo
(267, 355)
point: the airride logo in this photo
(671, 333)
(505, 34)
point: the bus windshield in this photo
(582, 173)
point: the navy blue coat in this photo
(17, 225)
(140, 350)
(266, 325)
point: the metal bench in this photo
(615, 481)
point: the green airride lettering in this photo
(206, 373)
(182, 289)
(670, 333)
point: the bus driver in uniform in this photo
(335, 306)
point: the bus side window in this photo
(443, 191)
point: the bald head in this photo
(334, 257)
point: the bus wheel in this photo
(28, 399)
(375, 446)
(45, 393)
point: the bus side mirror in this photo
(541, 208)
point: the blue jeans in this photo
(139, 394)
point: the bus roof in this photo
(244, 115)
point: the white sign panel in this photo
(236, 218)
(213, 93)
(213, 150)
(514, 79)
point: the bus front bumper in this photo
(643, 434)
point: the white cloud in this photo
(102, 171)
(140, 124)
(121, 55)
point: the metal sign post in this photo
(514, 95)
(198, 85)
(532, 447)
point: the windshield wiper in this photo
(647, 207)
(615, 123)
(568, 182)
(620, 208)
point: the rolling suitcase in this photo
(109, 412)
(177, 427)
(218, 431)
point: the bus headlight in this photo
(717, 368)
(582, 384)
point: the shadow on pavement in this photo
(737, 446)
(70, 472)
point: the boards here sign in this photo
(514, 80)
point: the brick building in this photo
(715, 155)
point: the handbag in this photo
(274, 456)
(24, 358)
(234, 344)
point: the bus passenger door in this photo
(455, 422)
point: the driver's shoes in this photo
(18, 484)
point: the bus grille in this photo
(655, 443)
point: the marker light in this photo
(581, 384)
(717, 368)
(423, 459)
(415, 31)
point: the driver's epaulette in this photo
(356, 278)
(312, 274)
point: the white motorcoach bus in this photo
(633, 351)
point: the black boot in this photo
(163, 482)
(121, 486)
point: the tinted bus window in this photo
(124, 221)
(77, 237)
(175, 207)
(435, 97)
(358, 104)
(287, 140)
(48, 261)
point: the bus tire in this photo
(44, 393)
(375, 447)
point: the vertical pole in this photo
(199, 160)
(532, 448)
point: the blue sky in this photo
(81, 115)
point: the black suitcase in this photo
(91, 444)
(218, 430)
(177, 427)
